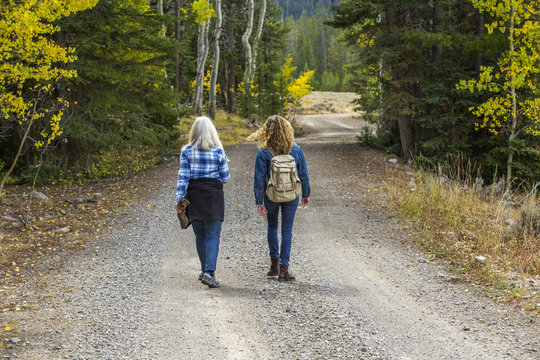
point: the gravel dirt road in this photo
(363, 291)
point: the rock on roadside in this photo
(37, 195)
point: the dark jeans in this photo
(288, 210)
(207, 239)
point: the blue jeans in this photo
(207, 240)
(288, 209)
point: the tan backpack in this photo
(284, 183)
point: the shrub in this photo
(42, 174)
(367, 137)
(530, 215)
(112, 162)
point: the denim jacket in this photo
(262, 172)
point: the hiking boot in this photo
(210, 280)
(201, 276)
(274, 268)
(284, 273)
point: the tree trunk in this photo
(405, 135)
(479, 34)
(404, 121)
(229, 59)
(163, 31)
(512, 135)
(438, 28)
(202, 53)
(247, 51)
(215, 65)
(19, 150)
(257, 38)
(177, 38)
(247, 46)
(382, 91)
(323, 52)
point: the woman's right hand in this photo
(178, 211)
(262, 210)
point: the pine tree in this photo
(123, 99)
(411, 56)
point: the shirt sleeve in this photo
(303, 174)
(259, 179)
(224, 168)
(183, 176)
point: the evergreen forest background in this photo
(412, 63)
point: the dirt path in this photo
(332, 127)
(362, 291)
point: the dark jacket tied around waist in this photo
(206, 200)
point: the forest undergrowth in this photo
(489, 235)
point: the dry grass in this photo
(460, 223)
(326, 102)
(232, 129)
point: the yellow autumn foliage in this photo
(206, 82)
(301, 87)
(292, 89)
(516, 69)
(29, 59)
(203, 11)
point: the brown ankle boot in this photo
(274, 268)
(284, 273)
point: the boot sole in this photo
(209, 284)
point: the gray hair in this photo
(203, 134)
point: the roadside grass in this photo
(487, 237)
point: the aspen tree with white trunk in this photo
(204, 12)
(246, 44)
(228, 42)
(251, 50)
(262, 13)
(163, 31)
(177, 38)
(215, 65)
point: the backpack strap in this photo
(270, 152)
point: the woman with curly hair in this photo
(276, 137)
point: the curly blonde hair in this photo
(276, 134)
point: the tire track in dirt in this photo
(361, 292)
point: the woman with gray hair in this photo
(203, 171)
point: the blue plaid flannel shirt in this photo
(201, 164)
